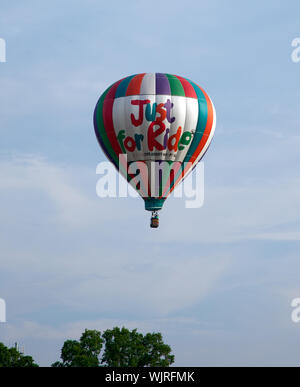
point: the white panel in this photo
(190, 124)
(185, 111)
(148, 84)
(205, 146)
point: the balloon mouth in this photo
(154, 204)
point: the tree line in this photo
(113, 348)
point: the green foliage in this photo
(122, 348)
(83, 353)
(11, 357)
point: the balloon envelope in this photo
(154, 128)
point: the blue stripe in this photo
(122, 88)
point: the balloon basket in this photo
(154, 222)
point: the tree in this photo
(11, 357)
(82, 353)
(122, 348)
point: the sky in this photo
(216, 281)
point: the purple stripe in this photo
(162, 84)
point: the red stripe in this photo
(208, 128)
(171, 178)
(187, 87)
(109, 125)
(108, 118)
(134, 86)
(145, 179)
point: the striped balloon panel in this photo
(161, 122)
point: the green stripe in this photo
(101, 128)
(200, 128)
(103, 134)
(165, 177)
(201, 124)
(175, 85)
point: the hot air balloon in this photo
(154, 128)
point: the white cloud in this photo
(71, 254)
(34, 175)
(233, 212)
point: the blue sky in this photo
(216, 281)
